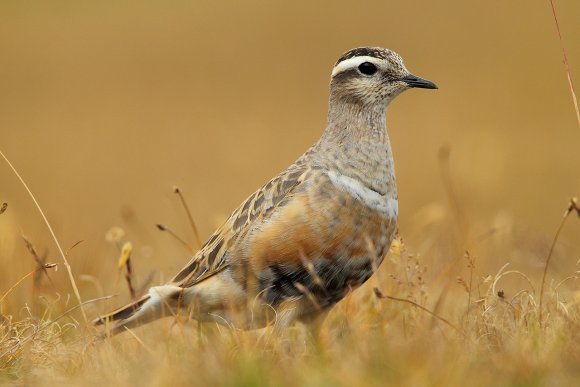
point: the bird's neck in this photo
(352, 123)
(356, 144)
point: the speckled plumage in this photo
(310, 235)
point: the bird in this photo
(312, 234)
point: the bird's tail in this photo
(123, 313)
(159, 302)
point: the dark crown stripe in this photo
(373, 52)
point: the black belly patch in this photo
(326, 283)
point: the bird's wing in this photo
(212, 257)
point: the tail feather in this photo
(159, 302)
(122, 313)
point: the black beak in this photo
(414, 81)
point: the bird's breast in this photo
(383, 203)
(323, 241)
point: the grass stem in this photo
(60, 250)
(566, 63)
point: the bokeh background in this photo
(105, 105)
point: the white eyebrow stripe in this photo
(354, 62)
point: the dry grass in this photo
(415, 328)
(410, 325)
(418, 321)
(470, 302)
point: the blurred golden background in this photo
(104, 106)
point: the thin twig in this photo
(304, 290)
(571, 207)
(139, 340)
(445, 169)
(62, 254)
(162, 227)
(145, 284)
(566, 63)
(198, 241)
(70, 310)
(125, 260)
(44, 267)
(380, 295)
(471, 266)
(462, 224)
(39, 262)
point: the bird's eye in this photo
(367, 68)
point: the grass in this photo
(421, 320)
(406, 326)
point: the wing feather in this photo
(212, 257)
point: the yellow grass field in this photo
(106, 106)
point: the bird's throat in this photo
(356, 144)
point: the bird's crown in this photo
(373, 52)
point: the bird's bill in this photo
(415, 81)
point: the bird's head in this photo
(371, 76)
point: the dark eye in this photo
(367, 68)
